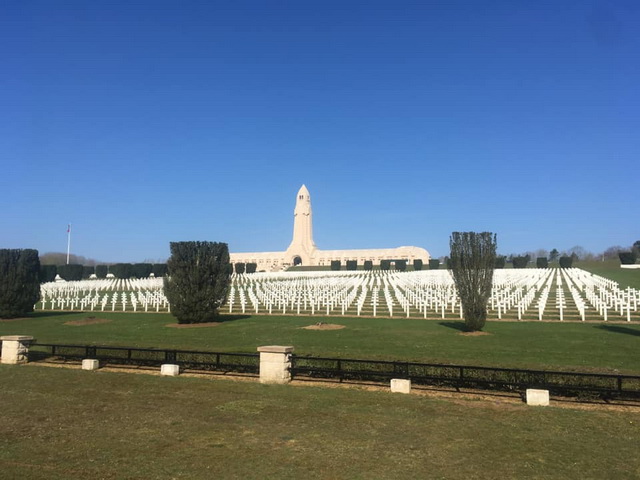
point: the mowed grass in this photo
(605, 347)
(59, 423)
(611, 269)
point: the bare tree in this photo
(472, 261)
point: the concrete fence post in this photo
(15, 349)
(275, 362)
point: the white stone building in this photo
(303, 250)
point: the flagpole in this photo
(68, 241)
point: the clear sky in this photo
(145, 122)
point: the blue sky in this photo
(145, 122)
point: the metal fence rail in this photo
(464, 376)
(148, 357)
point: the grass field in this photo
(566, 346)
(611, 269)
(69, 424)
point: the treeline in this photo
(74, 272)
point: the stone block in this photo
(15, 349)
(90, 364)
(275, 362)
(170, 370)
(537, 397)
(400, 385)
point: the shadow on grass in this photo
(31, 315)
(619, 329)
(214, 321)
(231, 318)
(460, 326)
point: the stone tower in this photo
(302, 247)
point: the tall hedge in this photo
(352, 264)
(473, 257)
(542, 262)
(251, 267)
(240, 267)
(520, 262)
(434, 264)
(566, 262)
(141, 270)
(417, 264)
(121, 270)
(385, 264)
(335, 265)
(87, 271)
(71, 272)
(368, 265)
(198, 281)
(47, 273)
(101, 271)
(401, 265)
(627, 258)
(159, 269)
(501, 261)
(19, 282)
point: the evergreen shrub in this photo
(566, 262)
(159, 270)
(417, 264)
(47, 273)
(627, 258)
(141, 270)
(121, 270)
(251, 267)
(434, 264)
(198, 281)
(71, 272)
(542, 262)
(352, 264)
(521, 262)
(335, 265)
(368, 265)
(19, 282)
(101, 271)
(87, 271)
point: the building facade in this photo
(303, 250)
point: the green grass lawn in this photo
(611, 269)
(59, 423)
(566, 346)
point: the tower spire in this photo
(302, 244)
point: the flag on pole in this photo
(68, 228)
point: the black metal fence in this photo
(148, 357)
(606, 386)
(586, 385)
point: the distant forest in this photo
(57, 258)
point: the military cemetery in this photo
(390, 322)
(319, 240)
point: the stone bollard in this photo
(15, 349)
(275, 362)
(400, 385)
(537, 397)
(90, 364)
(170, 370)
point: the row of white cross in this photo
(100, 295)
(515, 292)
(551, 294)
